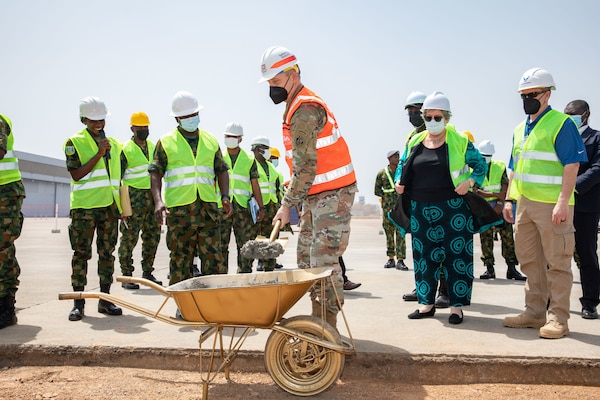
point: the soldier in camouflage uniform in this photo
(322, 177)
(136, 156)
(494, 190)
(384, 188)
(190, 161)
(12, 193)
(94, 163)
(243, 184)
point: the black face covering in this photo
(531, 106)
(278, 94)
(416, 120)
(142, 134)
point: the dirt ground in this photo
(101, 383)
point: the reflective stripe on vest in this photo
(96, 189)
(493, 184)
(334, 165)
(187, 177)
(9, 165)
(457, 150)
(537, 169)
(136, 174)
(240, 188)
(268, 185)
(387, 173)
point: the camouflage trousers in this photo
(508, 245)
(394, 242)
(143, 220)
(323, 238)
(265, 227)
(11, 223)
(194, 229)
(84, 223)
(244, 230)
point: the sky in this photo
(362, 57)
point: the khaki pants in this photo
(545, 251)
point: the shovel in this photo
(264, 248)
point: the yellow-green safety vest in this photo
(187, 177)
(537, 168)
(268, 185)
(240, 188)
(457, 149)
(136, 174)
(9, 165)
(390, 179)
(493, 184)
(99, 187)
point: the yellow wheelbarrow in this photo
(304, 355)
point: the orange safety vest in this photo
(334, 165)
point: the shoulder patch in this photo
(70, 150)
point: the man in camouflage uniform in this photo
(243, 184)
(494, 190)
(384, 189)
(93, 160)
(136, 156)
(190, 161)
(322, 177)
(12, 193)
(268, 180)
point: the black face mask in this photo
(142, 134)
(416, 120)
(531, 106)
(278, 94)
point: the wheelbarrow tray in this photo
(257, 300)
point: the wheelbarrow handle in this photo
(275, 231)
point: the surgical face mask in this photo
(275, 162)
(142, 134)
(531, 106)
(231, 142)
(577, 119)
(415, 119)
(488, 159)
(434, 127)
(190, 124)
(266, 153)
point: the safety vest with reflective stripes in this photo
(537, 168)
(99, 187)
(136, 173)
(457, 149)
(187, 177)
(390, 180)
(240, 188)
(9, 165)
(268, 184)
(493, 182)
(334, 165)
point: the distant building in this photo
(47, 185)
(361, 200)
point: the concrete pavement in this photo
(376, 313)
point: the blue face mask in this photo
(190, 124)
(577, 120)
(275, 162)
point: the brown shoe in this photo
(554, 330)
(349, 285)
(524, 321)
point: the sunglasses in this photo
(437, 118)
(532, 95)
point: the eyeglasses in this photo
(532, 95)
(437, 118)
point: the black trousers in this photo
(586, 244)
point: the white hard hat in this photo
(436, 101)
(184, 103)
(260, 141)
(274, 60)
(415, 98)
(486, 148)
(93, 108)
(234, 129)
(536, 78)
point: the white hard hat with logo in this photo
(184, 103)
(260, 141)
(93, 109)
(274, 60)
(436, 101)
(415, 99)
(234, 129)
(486, 148)
(536, 78)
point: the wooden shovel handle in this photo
(275, 231)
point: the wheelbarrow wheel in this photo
(301, 367)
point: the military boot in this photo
(129, 285)
(7, 311)
(489, 274)
(106, 307)
(512, 273)
(77, 312)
